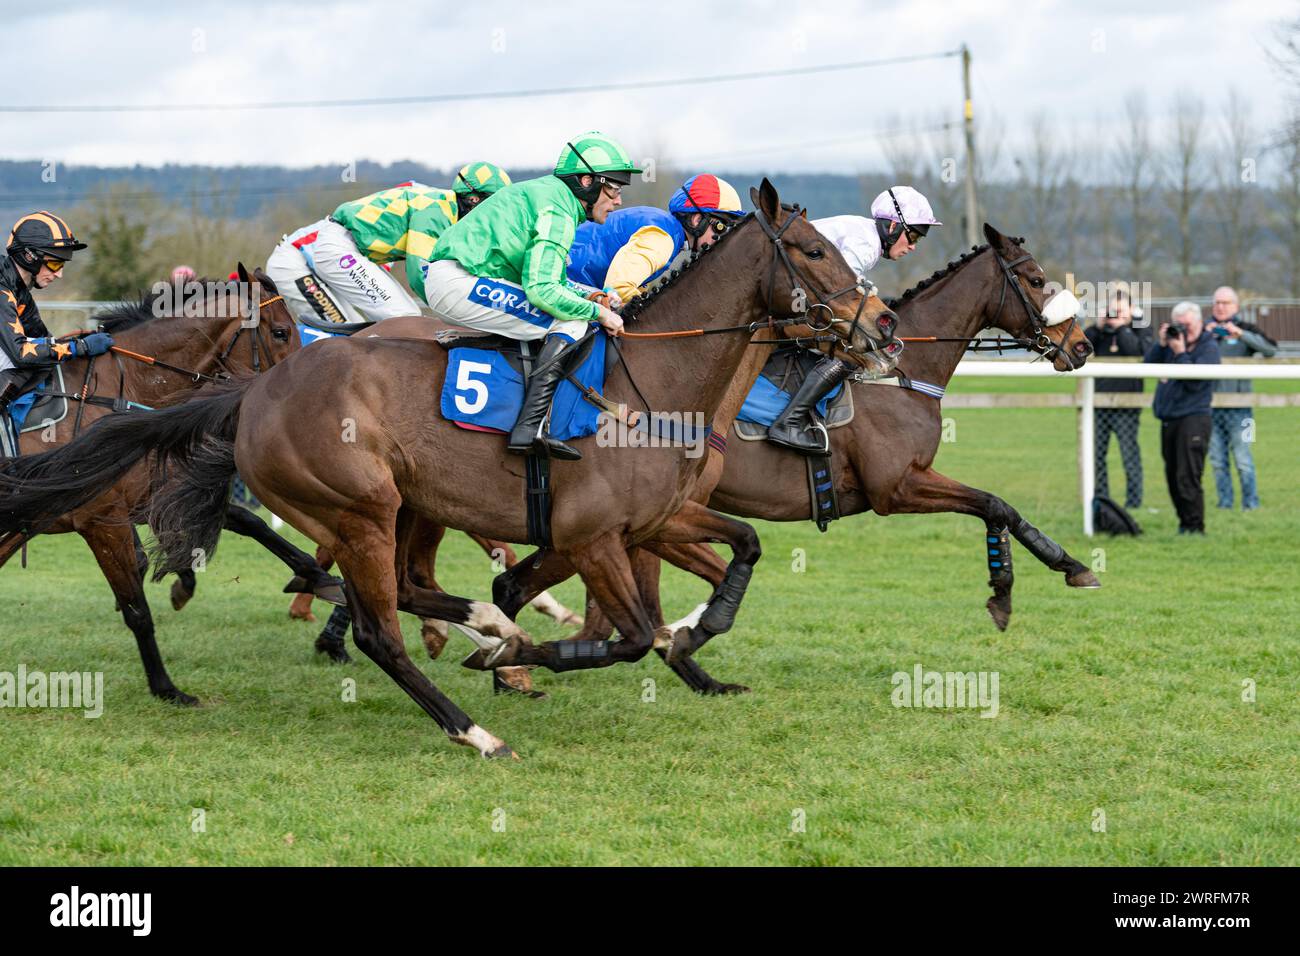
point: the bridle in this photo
(255, 339)
(1040, 341)
(798, 281)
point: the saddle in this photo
(33, 410)
(777, 383)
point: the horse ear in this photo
(766, 199)
(243, 274)
(995, 238)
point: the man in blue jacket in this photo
(1183, 407)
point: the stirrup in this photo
(786, 438)
(544, 446)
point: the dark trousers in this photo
(1183, 442)
(1124, 423)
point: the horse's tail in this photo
(38, 489)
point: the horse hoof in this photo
(297, 585)
(676, 645)
(515, 680)
(1001, 615)
(1082, 579)
(722, 689)
(434, 635)
(179, 698)
(332, 592)
(337, 650)
(501, 753)
(300, 609)
(180, 595)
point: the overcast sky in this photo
(1075, 60)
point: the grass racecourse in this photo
(1125, 731)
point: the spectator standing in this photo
(1114, 335)
(1183, 407)
(1233, 429)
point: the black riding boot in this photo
(528, 436)
(796, 428)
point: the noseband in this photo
(255, 339)
(1040, 342)
(798, 281)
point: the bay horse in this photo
(377, 457)
(883, 459)
(214, 339)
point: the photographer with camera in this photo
(1232, 428)
(1114, 334)
(1183, 407)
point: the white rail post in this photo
(1087, 449)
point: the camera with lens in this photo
(1174, 331)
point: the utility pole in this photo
(972, 214)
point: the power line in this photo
(472, 97)
(858, 137)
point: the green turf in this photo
(1126, 700)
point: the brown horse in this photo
(883, 459)
(377, 457)
(188, 349)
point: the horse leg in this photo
(512, 589)
(417, 559)
(702, 561)
(114, 545)
(543, 603)
(308, 575)
(183, 588)
(694, 524)
(925, 491)
(365, 550)
(300, 607)
(9, 545)
(607, 572)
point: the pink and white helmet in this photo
(904, 204)
(184, 274)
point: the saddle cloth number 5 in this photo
(465, 385)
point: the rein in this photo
(1039, 342)
(122, 404)
(798, 281)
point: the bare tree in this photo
(1287, 209)
(1135, 165)
(1184, 173)
(1235, 199)
(1042, 174)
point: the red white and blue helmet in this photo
(705, 193)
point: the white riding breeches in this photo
(324, 277)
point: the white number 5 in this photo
(466, 384)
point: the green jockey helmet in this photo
(594, 154)
(475, 182)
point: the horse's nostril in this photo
(887, 323)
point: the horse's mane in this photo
(131, 313)
(126, 314)
(943, 273)
(640, 303)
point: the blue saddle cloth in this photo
(777, 383)
(308, 334)
(483, 390)
(21, 405)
